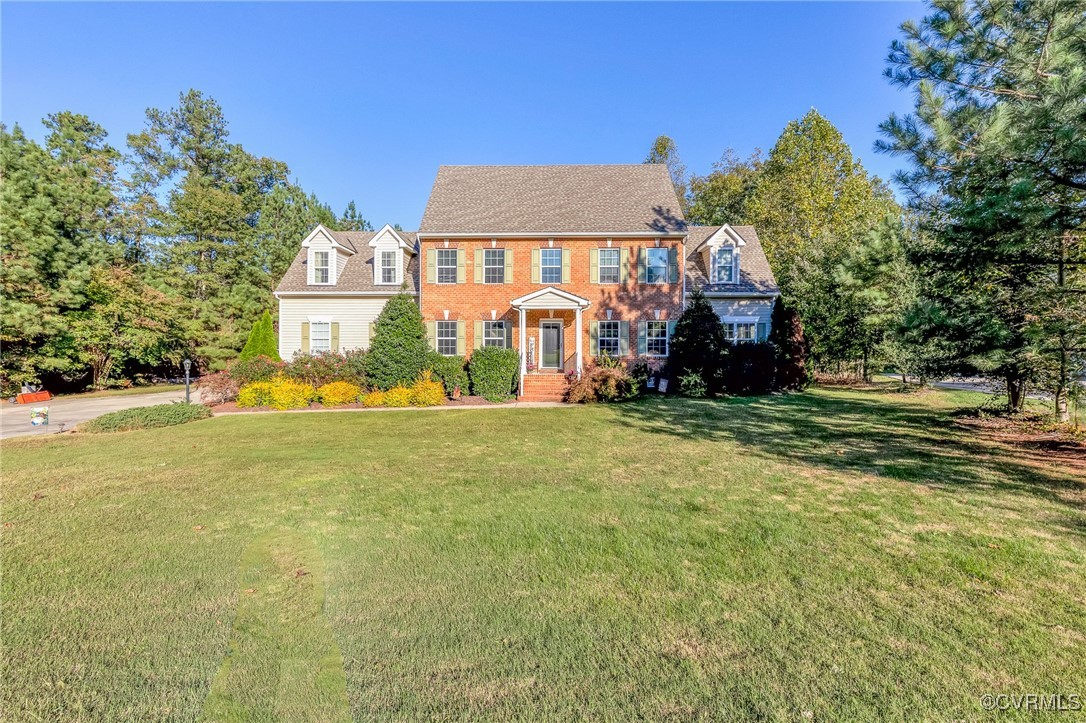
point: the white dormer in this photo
(720, 252)
(389, 256)
(325, 257)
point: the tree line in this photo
(982, 271)
(119, 263)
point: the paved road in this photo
(66, 412)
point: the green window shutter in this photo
(508, 335)
(461, 273)
(335, 336)
(305, 337)
(460, 338)
(509, 266)
(594, 338)
(567, 258)
(642, 338)
(624, 265)
(670, 333)
(673, 264)
(478, 266)
(431, 266)
(535, 266)
(640, 265)
(431, 334)
(594, 265)
(624, 338)
(763, 331)
(478, 335)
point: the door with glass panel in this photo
(550, 337)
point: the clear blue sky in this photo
(364, 101)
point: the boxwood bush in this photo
(450, 371)
(160, 415)
(494, 373)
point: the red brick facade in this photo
(468, 301)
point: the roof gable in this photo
(320, 233)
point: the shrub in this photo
(692, 385)
(427, 392)
(254, 369)
(376, 398)
(600, 384)
(790, 348)
(256, 394)
(217, 388)
(324, 368)
(699, 345)
(398, 350)
(750, 368)
(640, 369)
(160, 415)
(262, 341)
(450, 371)
(336, 394)
(494, 372)
(354, 367)
(398, 396)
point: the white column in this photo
(580, 343)
(523, 348)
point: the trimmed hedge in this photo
(450, 371)
(336, 394)
(494, 373)
(427, 392)
(398, 350)
(160, 415)
(280, 393)
(254, 369)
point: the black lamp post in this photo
(188, 365)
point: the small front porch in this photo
(551, 339)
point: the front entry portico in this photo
(551, 335)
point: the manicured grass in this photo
(846, 555)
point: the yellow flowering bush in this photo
(398, 396)
(280, 393)
(256, 394)
(426, 392)
(376, 398)
(336, 394)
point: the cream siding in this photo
(762, 309)
(341, 261)
(335, 260)
(387, 242)
(354, 314)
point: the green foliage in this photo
(351, 220)
(997, 152)
(336, 394)
(160, 415)
(790, 348)
(665, 152)
(692, 385)
(287, 215)
(725, 194)
(450, 371)
(750, 369)
(699, 345)
(328, 366)
(399, 350)
(494, 373)
(256, 369)
(262, 340)
(600, 384)
(280, 393)
(427, 391)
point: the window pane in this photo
(446, 266)
(609, 266)
(320, 336)
(320, 267)
(494, 333)
(608, 337)
(446, 338)
(745, 331)
(724, 267)
(656, 338)
(388, 267)
(550, 266)
(656, 266)
(494, 266)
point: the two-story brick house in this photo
(561, 263)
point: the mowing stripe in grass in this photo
(283, 662)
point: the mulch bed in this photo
(1033, 434)
(465, 401)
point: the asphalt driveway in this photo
(66, 412)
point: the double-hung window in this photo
(739, 330)
(494, 333)
(446, 266)
(446, 338)
(320, 335)
(388, 267)
(493, 266)
(321, 267)
(550, 266)
(656, 266)
(609, 266)
(724, 266)
(656, 338)
(608, 338)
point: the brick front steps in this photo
(543, 388)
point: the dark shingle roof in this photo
(755, 276)
(357, 274)
(552, 200)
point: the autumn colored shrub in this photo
(254, 369)
(399, 396)
(375, 398)
(427, 392)
(217, 388)
(256, 394)
(280, 393)
(336, 394)
(600, 384)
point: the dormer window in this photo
(322, 268)
(724, 265)
(388, 267)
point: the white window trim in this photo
(313, 267)
(544, 267)
(492, 322)
(455, 265)
(319, 320)
(492, 266)
(714, 266)
(667, 338)
(438, 337)
(667, 265)
(397, 264)
(617, 337)
(617, 266)
(741, 320)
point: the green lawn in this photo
(843, 555)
